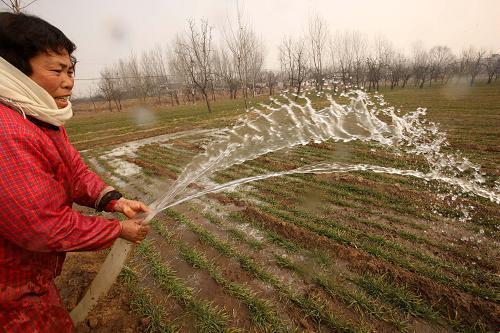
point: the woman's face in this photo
(54, 73)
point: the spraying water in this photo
(288, 124)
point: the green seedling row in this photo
(262, 313)
(209, 318)
(314, 308)
(142, 303)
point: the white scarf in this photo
(22, 94)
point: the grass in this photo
(143, 304)
(362, 303)
(90, 131)
(379, 247)
(355, 299)
(351, 298)
(209, 317)
(398, 296)
(236, 234)
(281, 198)
(313, 307)
(271, 236)
(286, 263)
(262, 313)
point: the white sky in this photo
(105, 31)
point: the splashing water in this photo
(284, 125)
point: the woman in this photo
(41, 175)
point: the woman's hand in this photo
(134, 231)
(130, 208)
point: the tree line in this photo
(196, 66)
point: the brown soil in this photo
(113, 312)
(322, 145)
(230, 269)
(348, 315)
(156, 169)
(456, 304)
(205, 287)
(188, 146)
(280, 165)
(224, 199)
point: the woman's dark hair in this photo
(24, 36)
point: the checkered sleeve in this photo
(36, 212)
(88, 187)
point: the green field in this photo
(353, 252)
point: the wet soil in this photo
(113, 313)
(456, 304)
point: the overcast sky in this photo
(105, 31)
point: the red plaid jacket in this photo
(41, 175)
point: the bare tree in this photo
(449, 70)
(243, 46)
(492, 66)
(92, 97)
(287, 61)
(342, 56)
(106, 87)
(359, 53)
(385, 52)
(317, 38)
(225, 70)
(135, 79)
(406, 72)
(110, 88)
(397, 70)
(440, 58)
(293, 61)
(473, 62)
(272, 81)
(378, 62)
(16, 6)
(132, 79)
(127, 81)
(147, 73)
(256, 62)
(154, 72)
(420, 64)
(178, 70)
(299, 56)
(194, 53)
(374, 72)
(171, 83)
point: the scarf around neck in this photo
(22, 94)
